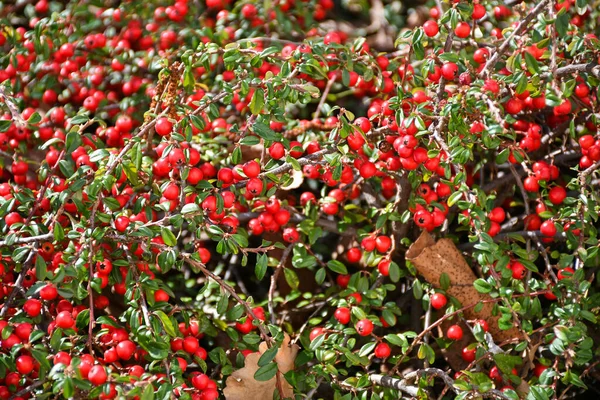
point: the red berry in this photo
(455, 332)
(163, 126)
(478, 11)
(277, 150)
(33, 307)
(316, 332)
(462, 30)
(161, 295)
(64, 320)
(518, 270)
(548, 228)
(557, 194)
(438, 301)
(342, 314)
(468, 354)
(531, 184)
(97, 375)
(383, 243)
(354, 255)
(48, 292)
(384, 267)
(190, 343)
(364, 327)
(382, 350)
(125, 349)
(450, 71)
(122, 223)
(251, 169)
(497, 215)
(431, 28)
(24, 364)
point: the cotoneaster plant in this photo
(215, 199)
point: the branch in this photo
(394, 383)
(590, 68)
(209, 274)
(30, 239)
(493, 60)
(507, 235)
(280, 267)
(28, 389)
(12, 107)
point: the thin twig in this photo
(274, 277)
(493, 60)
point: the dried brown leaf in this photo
(241, 385)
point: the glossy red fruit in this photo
(353, 255)
(548, 228)
(122, 223)
(531, 184)
(468, 354)
(316, 332)
(125, 349)
(518, 270)
(163, 126)
(342, 315)
(450, 71)
(384, 267)
(64, 320)
(431, 28)
(557, 195)
(24, 364)
(462, 30)
(364, 327)
(438, 301)
(455, 332)
(97, 375)
(382, 350)
(33, 307)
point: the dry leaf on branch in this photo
(241, 384)
(432, 259)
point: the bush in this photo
(298, 199)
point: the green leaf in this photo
(168, 237)
(265, 132)
(444, 281)
(68, 387)
(531, 62)
(320, 276)
(148, 393)
(506, 362)
(267, 356)
(562, 24)
(34, 118)
(258, 101)
(454, 197)
(166, 321)
(190, 208)
(4, 125)
(261, 266)
(291, 278)
(40, 268)
(482, 286)
(72, 141)
(59, 232)
(317, 342)
(367, 349)
(266, 372)
(79, 119)
(337, 267)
